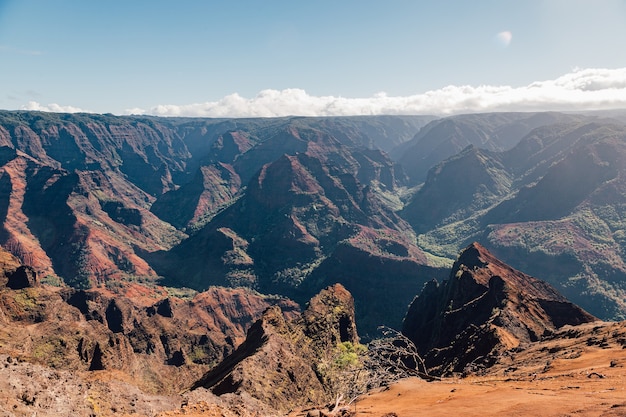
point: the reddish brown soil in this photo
(568, 376)
(571, 394)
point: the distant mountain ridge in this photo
(444, 138)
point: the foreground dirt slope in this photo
(577, 371)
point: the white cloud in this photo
(581, 89)
(52, 107)
(504, 38)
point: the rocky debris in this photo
(203, 403)
(600, 345)
(277, 363)
(482, 310)
(203, 409)
(29, 389)
(22, 277)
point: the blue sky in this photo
(310, 57)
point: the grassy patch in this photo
(51, 351)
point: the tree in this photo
(353, 369)
(391, 358)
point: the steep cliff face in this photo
(278, 362)
(300, 225)
(77, 189)
(330, 319)
(483, 309)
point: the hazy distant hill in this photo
(551, 206)
(443, 138)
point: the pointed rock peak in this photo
(475, 262)
(472, 257)
(273, 318)
(331, 297)
(286, 173)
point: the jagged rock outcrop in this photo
(268, 366)
(278, 361)
(483, 309)
(23, 277)
(329, 318)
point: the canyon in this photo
(163, 262)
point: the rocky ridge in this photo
(485, 308)
(280, 362)
(162, 345)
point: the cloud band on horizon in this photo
(581, 89)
